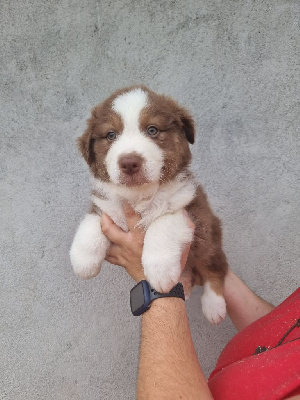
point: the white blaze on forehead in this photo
(129, 106)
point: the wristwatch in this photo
(143, 294)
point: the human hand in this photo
(126, 247)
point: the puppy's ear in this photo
(188, 125)
(86, 143)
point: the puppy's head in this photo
(137, 137)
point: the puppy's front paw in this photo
(213, 305)
(163, 244)
(89, 247)
(161, 275)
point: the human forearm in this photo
(243, 305)
(169, 368)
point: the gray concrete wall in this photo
(235, 64)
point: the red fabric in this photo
(272, 375)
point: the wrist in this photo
(136, 272)
(166, 306)
(139, 277)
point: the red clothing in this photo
(270, 375)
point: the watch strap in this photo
(176, 291)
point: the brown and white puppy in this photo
(137, 147)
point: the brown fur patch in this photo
(176, 128)
(206, 260)
(94, 144)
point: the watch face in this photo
(137, 298)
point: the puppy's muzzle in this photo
(130, 164)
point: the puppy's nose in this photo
(130, 164)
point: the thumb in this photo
(112, 231)
(132, 218)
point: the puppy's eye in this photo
(152, 130)
(111, 136)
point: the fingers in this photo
(114, 251)
(186, 250)
(184, 255)
(112, 231)
(117, 255)
(131, 217)
(189, 221)
(112, 260)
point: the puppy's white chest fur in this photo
(150, 201)
(167, 229)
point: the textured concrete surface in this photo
(235, 64)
